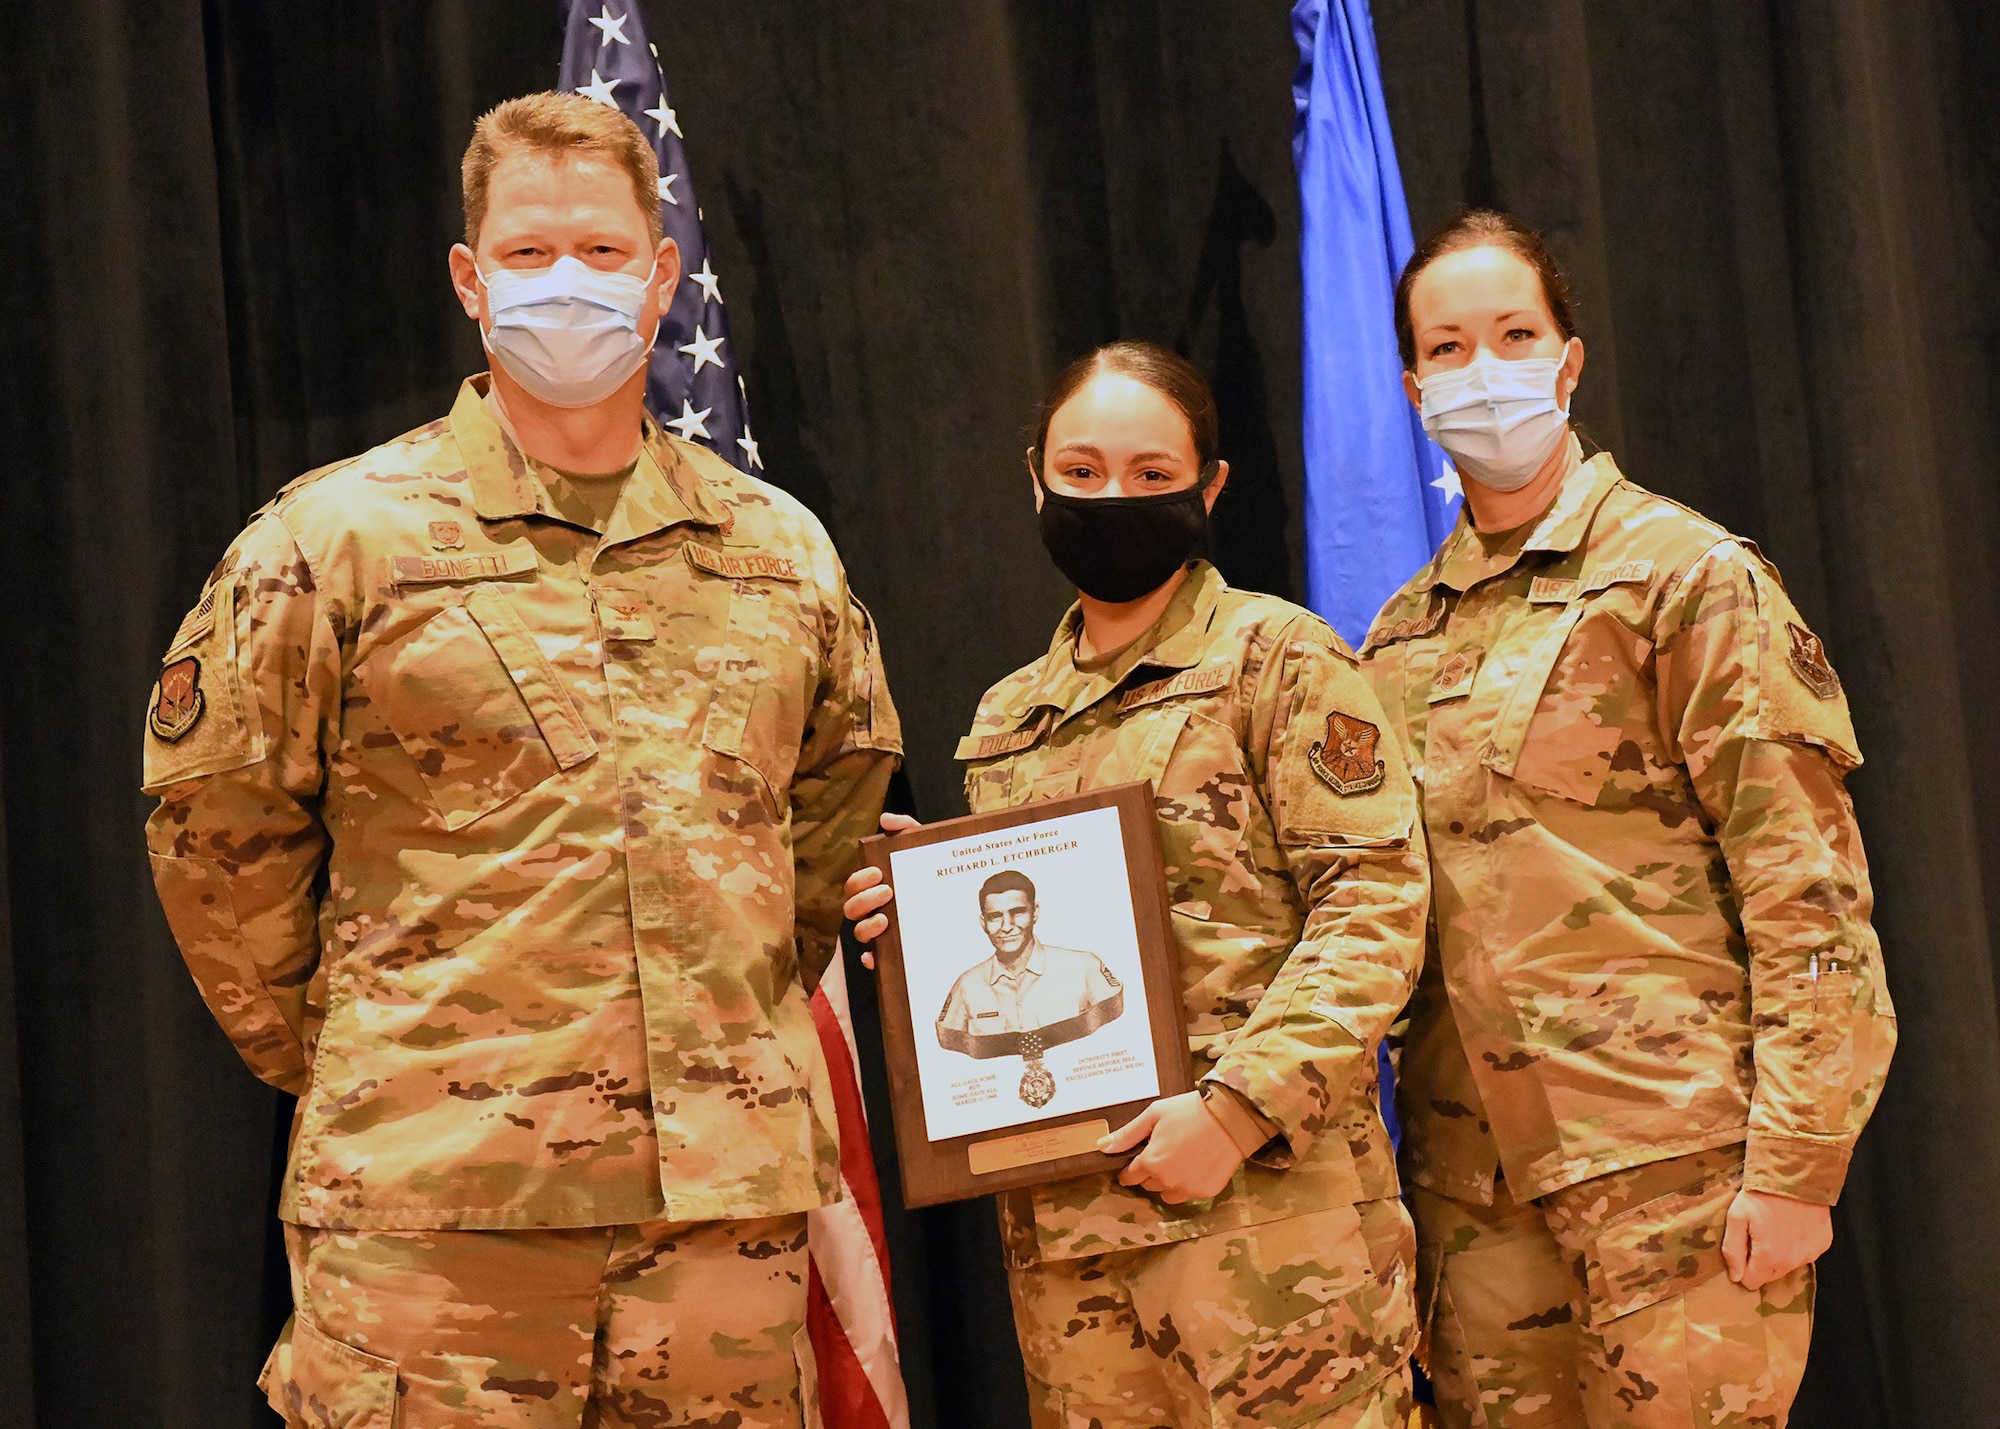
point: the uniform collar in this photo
(1032, 967)
(1175, 642)
(1464, 561)
(662, 491)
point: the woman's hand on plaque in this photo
(867, 895)
(1188, 1155)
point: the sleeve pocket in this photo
(314, 1380)
(1821, 1017)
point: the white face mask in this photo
(1499, 420)
(567, 333)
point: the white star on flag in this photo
(1449, 484)
(704, 349)
(710, 285)
(668, 119)
(613, 29)
(690, 423)
(599, 89)
(667, 182)
(749, 445)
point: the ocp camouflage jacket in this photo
(513, 853)
(1288, 825)
(1650, 932)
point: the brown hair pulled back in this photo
(1484, 228)
(1160, 368)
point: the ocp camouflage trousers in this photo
(628, 1325)
(1301, 1322)
(1606, 1305)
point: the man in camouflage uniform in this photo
(502, 815)
(1298, 890)
(1654, 993)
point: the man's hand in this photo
(1769, 1236)
(1188, 1155)
(866, 897)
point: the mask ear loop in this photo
(485, 343)
(660, 315)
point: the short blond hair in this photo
(557, 123)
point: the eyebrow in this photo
(1086, 449)
(1498, 318)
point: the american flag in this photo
(694, 389)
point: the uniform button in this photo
(1457, 827)
(1296, 649)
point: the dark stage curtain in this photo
(231, 220)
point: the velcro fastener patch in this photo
(741, 565)
(1202, 680)
(425, 570)
(1551, 590)
(1617, 575)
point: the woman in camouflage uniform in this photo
(1251, 1264)
(1653, 1020)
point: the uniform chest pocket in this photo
(1580, 708)
(476, 705)
(762, 678)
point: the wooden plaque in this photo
(1030, 990)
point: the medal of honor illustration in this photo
(1029, 996)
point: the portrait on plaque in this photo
(1029, 996)
(1028, 975)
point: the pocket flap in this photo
(315, 1380)
(555, 713)
(1660, 1249)
(1295, 1375)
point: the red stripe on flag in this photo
(857, 1159)
(846, 1398)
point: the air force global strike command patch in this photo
(1345, 759)
(1809, 662)
(178, 703)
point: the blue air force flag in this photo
(692, 385)
(1379, 496)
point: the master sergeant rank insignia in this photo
(1346, 757)
(178, 703)
(1809, 662)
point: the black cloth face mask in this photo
(1118, 548)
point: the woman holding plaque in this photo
(1251, 1264)
(1653, 1021)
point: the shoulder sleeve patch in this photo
(1799, 697)
(1333, 776)
(197, 720)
